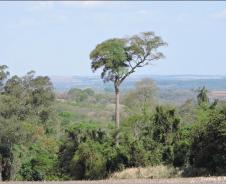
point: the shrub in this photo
(88, 162)
(117, 158)
(208, 149)
(182, 146)
(41, 166)
(137, 154)
(29, 173)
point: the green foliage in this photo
(136, 148)
(182, 146)
(85, 139)
(80, 95)
(202, 96)
(87, 96)
(28, 96)
(165, 132)
(157, 134)
(26, 115)
(116, 158)
(6, 160)
(41, 139)
(132, 150)
(88, 161)
(142, 97)
(138, 154)
(3, 75)
(208, 146)
(39, 167)
(166, 125)
(78, 134)
(120, 57)
(111, 55)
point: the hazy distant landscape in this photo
(211, 82)
(173, 88)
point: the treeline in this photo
(36, 143)
(28, 127)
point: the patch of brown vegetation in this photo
(196, 180)
(218, 94)
(151, 172)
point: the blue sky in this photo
(55, 38)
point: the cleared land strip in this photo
(218, 94)
(196, 180)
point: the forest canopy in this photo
(45, 138)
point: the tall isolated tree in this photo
(120, 57)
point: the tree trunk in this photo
(0, 167)
(117, 113)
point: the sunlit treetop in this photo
(120, 57)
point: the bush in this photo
(88, 162)
(29, 173)
(137, 154)
(181, 153)
(117, 158)
(182, 146)
(208, 149)
(41, 166)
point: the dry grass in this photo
(195, 180)
(152, 172)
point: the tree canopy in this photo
(120, 57)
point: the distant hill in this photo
(186, 82)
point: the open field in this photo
(218, 94)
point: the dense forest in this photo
(72, 135)
(78, 135)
